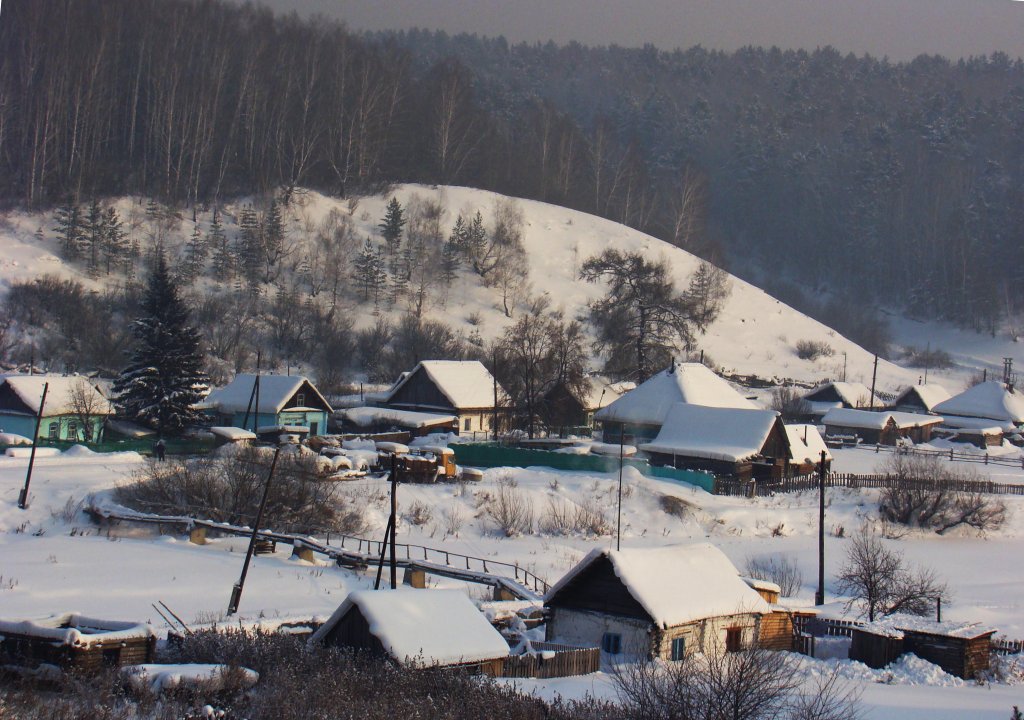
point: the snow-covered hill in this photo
(755, 334)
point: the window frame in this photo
(611, 643)
(678, 650)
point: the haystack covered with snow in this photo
(644, 409)
(418, 628)
(464, 388)
(992, 400)
(656, 602)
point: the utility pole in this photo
(389, 532)
(236, 591)
(618, 527)
(819, 595)
(494, 377)
(23, 496)
(874, 376)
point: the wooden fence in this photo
(758, 488)
(567, 660)
(951, 455)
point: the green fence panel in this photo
(490, 455)
(175, 446)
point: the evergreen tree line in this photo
(886, 182)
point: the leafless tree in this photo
(779, 569)
(86, 404)
(790, 403)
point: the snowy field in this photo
(52, 559)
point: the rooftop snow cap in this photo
(729, 434)
(466, 383)
(677, 584)
(275, 391)
(60, 395)
(986, 400)
(691, 383)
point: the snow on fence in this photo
(751, 488)
(951, 455)
(553, 660)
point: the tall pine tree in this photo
(391, 226)
(165, 379)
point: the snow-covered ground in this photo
(53, 560)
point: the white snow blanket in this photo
(24, 452)
(423, 628)
(676, 584)
(692, 383)
(716, 433)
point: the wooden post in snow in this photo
(23, 497)
(819, 595)
(236, 591)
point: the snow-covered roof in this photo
(899, 624)
(986, 400)
(424, 628)
(766, 585)
(466, 383)
(77, 630)
(367, 416)
(59, 396)
(275, 392)
(651, 401)
(600, 392)
(677, 584)
(806, 443)
(850, 393)
(958, 422)
(869, 420)
(730, 434)
(233, 434)
(929, 394)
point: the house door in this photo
(733, 639)
(313, 428)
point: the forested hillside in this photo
(882, 182)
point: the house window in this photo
(468, 425)
(72, 430)
(300, 400)
(54, 430)
(611, 643)
(733, 639)
(678, 648)
(112, 656)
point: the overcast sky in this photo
(900, 29)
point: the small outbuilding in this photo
(920, 398)
(838, 395)
(805, 448)
(961, 649)
(75, 642)
(564, 407)
(661, 602)
(883, 428)
(417, 628)
(991, 400)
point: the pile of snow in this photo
(13, 439)
(367, 416)
(23, 452)
(78, 451)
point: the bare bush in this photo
(418, 514)
(567, 518)
(454, 519)
(779, 569)
(228, 488)
(882, 581)
(789, 403)
(813, 349)
(928, 358)
(673, 505)
(510, 509)
(753, 685)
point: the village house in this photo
(805, 448)
(463, 388)
(920, 398)
(879, 428)
(728, 442)
(417, 629)
(640, 413)
(74, 410)
(961, 649)
(564, 408)
(838, 395)
(286, 402)
(990, 400)
(75, 642)
(661, 602)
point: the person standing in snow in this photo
(161, 449)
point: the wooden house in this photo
(982, 437)
(920, 398)
(959, 649)
(417, 628)
(805, 448)
(663, 602)
(990, 400)
(882, 428)
(838, 395)
(75, 642)
(641, 412)
(375, 420)
(566, 408)
(463, 388)
(74, 411)
(729, 442)
(284, 401)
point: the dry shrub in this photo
(813, 349)
(454, 518)
(509, 508)
(567, 518)
(779, 569)
(418, 514)
(673, 505)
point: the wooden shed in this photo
(882, 428)
(961, 649)
(73, 641)
(417, 628)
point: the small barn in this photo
(663, 602)
(75, 642)
(641, 412)
(920, 398)
(881, 428)
(386, 420)
(417, 628)
(961, 649)
(74, 411)
(729, 442)
(991, 400)
(567, 408)
(463, 388)
(284, 400)
(805, 447)
(838, 395)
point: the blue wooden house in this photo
(284, 401)
(74, 411)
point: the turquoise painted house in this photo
(75, 410)
(285, 400)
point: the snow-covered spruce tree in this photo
(391, 226)
(165, 379)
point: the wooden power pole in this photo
(819, 595)
(23, 496)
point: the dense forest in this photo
(894, 183)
